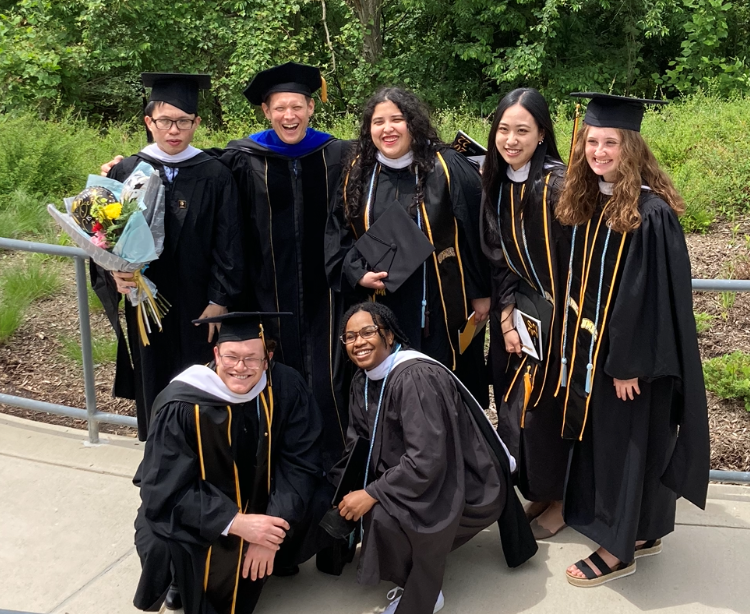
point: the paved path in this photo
(66, 546)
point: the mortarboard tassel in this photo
(575, 131)
(323, 90)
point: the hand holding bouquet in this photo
(120, 226)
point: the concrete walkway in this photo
(66, 546)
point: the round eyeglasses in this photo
(366, 333)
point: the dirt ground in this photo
(32, 364)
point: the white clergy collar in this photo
(154, 152)
(397, 163)
(395, 359)
(207, 380)
(607, 188)
(521, 175)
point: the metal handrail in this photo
(90, 414)
(94, 417)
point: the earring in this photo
(540, 142)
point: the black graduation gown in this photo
(284, 206)
(533, 247)
(182, 514)
(202, 262)
(440, 476)
(631, 459)
(346, 266)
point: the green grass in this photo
(104, 349)
(11, 316)
(728, 377)
(701, 140)
(703, 321)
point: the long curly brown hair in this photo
(361, 159)
(637, 167)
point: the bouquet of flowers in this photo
(120, 226)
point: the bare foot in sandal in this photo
(600, 567)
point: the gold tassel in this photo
(323, 90)
(155, 307)
(528, 386)
(574, 138)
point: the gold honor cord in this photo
(268, 410)
(152, 307)
(552, 286)
(515, 377)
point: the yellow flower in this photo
(113, 211)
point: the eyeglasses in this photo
(164, 123)
(366, 333)
(229, 362)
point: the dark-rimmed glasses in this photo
(228, 361)
(366, 333)
(164, 123)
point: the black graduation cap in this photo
(396, 245)
(610, 111)
(241, 325)
(177, 89)
(289, 77)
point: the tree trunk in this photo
(369, 12)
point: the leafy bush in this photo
(728, 377)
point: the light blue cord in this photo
(590, 365)
(377, 418)
(564, 361)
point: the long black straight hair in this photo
(495, 167)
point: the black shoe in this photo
(173, 601)
(285, 571)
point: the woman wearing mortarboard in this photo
(631, 382)
(399, 162)
(529, 251)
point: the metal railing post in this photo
(86, 349)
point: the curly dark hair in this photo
(382, 316)
(361, 159)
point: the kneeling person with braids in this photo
(231, 478)
(437, 473)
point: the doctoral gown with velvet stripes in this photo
(630, 315)
(440, 476)
(526, 243)
(205, 461)
(346, 266)
(284, 207)
(202, 262)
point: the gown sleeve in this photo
(298, 465)
(466, 198)
(652, 335)
(228, 263)
(503, 281)
(177, 503)
(357, 426)
(345, 266)
(429, 471)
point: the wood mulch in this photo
(32, 364)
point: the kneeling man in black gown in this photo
(436, 472)
(230, 477)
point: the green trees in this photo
(88, 53)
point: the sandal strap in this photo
(599, 562)
(584, 568)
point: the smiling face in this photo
(517, 136)
(289, 115)
(368, 353)
(603, 151)
(239, 378)
(173, 140)
(389, 130)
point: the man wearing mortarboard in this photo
(201, 268)
(230, 475)
(285, 176)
